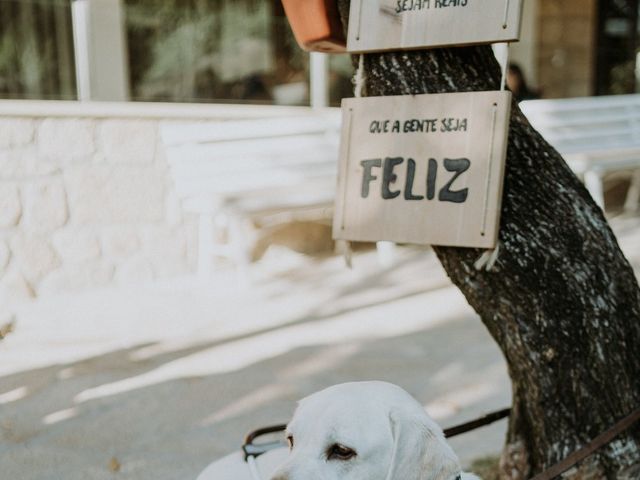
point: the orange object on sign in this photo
(316, 25)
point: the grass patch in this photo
(486, 468)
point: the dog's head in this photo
(365, 431)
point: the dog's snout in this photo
(280, 476)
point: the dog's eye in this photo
(290, 441)
(340, 452)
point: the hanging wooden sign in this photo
(376, 25)
(423, 169)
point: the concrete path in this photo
(156, 381)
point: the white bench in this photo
(229, 173)
(596, 136)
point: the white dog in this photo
(366, 431)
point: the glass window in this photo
(214, 50)
(36, 50)
(236, 51)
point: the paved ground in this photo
(154, 382)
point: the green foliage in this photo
(187, 49)
(179, 50)
(31, 62)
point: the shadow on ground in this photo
(172, 429)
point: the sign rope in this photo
(359, 78)
(504, 63)
(358, 87)
(489, 258)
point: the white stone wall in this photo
(86, 201)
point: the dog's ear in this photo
(420, 451)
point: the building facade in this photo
(242, 51)
(86, 198)
(224, 51)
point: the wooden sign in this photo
(376, 25)
(423, 169)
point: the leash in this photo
(477, 423)
(600, 441)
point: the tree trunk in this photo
(561, 301)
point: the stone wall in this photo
(86, 199)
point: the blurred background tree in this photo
(243, 51)
(36, 50)
(211, 50)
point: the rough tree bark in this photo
(562, 301)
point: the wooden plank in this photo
(591, 144)
(587, 118)
(377, 25)
(211, 174)
(586, 125)
(225, 151)
(580, 103)
(252, 166)
(425, 169)
(237, 184)
(176, 134)
(312, 189)
(604, 161)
